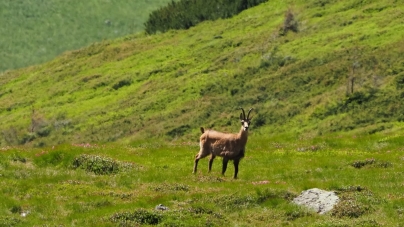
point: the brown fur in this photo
(226, 145)
(222, 144)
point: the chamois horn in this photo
(248, 115)
(243, 112)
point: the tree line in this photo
(184, 14)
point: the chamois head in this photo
(245, 122)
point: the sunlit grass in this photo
(270, 175)
(128, 100)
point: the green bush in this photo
(352, 201)
(53, 158)
(179, 131)
(399, 81)
(16, 157)
(290, 23)
(122, 83)
(9, 221)
(237, 201)
(99, 165)
(349, 208)
(170, 187)
(16, 209)
(184, 14)
(44, 131)
(27, 137)
(370, 162)
(360, 164)
(140, 216)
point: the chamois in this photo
(228, 146)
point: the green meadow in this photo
(33, 32)
(121, 184)
(100, 136)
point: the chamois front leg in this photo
(212, 157)
(198, 156)
(224, 167)
(196, 163)
(236, 162)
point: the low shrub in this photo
(9, 221)
(349, 208)
(27, 137)
(16, 157)
(140, 216)
(292, 215)
(100, 165)
(170, 187)
(243, 201)
(122, 83)
(290, 23)
(370, 162)
(179, 131)
(16, 209)
(355, 201)
(53, 158)
(44, 131)
(360, 164)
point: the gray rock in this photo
(161, 207)
(318, 200)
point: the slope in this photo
(341, 71)
(34, 32)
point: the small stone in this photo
(161, 207)
(24, 214)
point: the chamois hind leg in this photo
(224, 167)
(212, 157)
(236, 162)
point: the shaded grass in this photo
(38, 32)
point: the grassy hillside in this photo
(327, 114)
(166, 86)
(37, 31)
